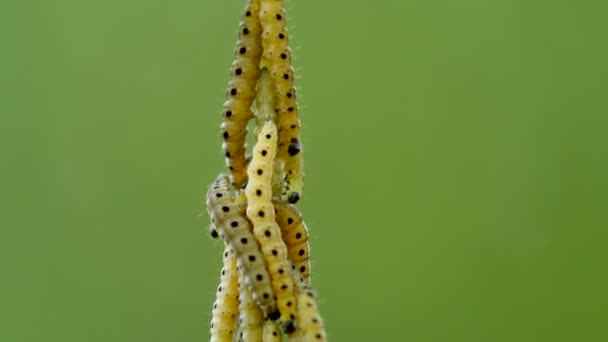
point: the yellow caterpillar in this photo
(309, 322)
(236, 232)
(241, 92)
(225, 308)
(260, 212)
(250, 316)
(276, 58)
(295, 235)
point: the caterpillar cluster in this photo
(265, 292)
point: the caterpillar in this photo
(309, 322)
(241, 92)
(236, 232)
(295, 235)
(276, 58)
(272, 333)
(266, 231)
(250, 316)
(225, 308)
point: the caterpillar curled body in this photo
(277, 58)
(241, 93)
(250, 328)
(260, 212)
(295, 235)
(226, 307)
(236, 232)
(309, 322)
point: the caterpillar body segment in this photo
(226, 307)
(274, 36)
(251, 319)
(275, 252)
(259, 189)
(272, 332)
(234, 228)
(295, 234)
(241, 92)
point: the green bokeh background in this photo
(456, 167)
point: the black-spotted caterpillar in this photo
(225, 308)
(241, 92)
(236, 232)
(251, 322)
(276, 58)
(260, 212)
(295, 235)
(309, 322)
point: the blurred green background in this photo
(456, 162)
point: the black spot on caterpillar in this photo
(295, 234)
(236, 232)
(241, 92)
(225, 308)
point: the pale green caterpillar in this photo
(260, 212)
(241, 92)
(295, 235)
(225, 308)
(276, 58)
(309, 322)
(236, 232)
(250, 316)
